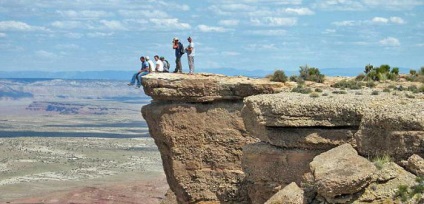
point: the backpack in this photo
(182, 51)
(166, 65)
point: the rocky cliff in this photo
(242, 140)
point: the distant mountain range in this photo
(126, 75)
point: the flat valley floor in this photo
(80, 147)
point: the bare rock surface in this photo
(205, 87)
(382, 124)
(201, 149)
(291, 194)
(415, 164)
(269, 168)
(341, 171)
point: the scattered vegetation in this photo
(415, 192)
(375, 92)
(339, 92)
(314, 95)
(416, 76)
(349, 84)
(278, 76)
(380, 161)
(307, 73)
(300, 88)
(382, 73)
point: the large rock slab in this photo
(385, 184)
(269, 168)
(205, 87)
(291, 194)
(341, 171)
(375, 125)
(201, 149)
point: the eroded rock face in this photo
(205, 87)
(269, 168)
(341, 171)
(201, 148)
(375, 125)
(291, 194)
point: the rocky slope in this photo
(242, 140)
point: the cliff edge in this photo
(242, 140)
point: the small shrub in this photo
(409, 96)
(375, 92)
(413, 89)
(301, 89)
(339, 92)
(318, 90)
(412, 193)
(380, 161)
(358, 93)
(325, 94)
(314, 95)
(360, 77)
(413, 72)
(370, 84)
(279, 76)
(311, 74)
(391, 86)
(387, 90)
(294, 78)
(421, 89)
(350, 84)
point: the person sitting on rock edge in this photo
(144, 70)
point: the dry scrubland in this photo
(74, 141)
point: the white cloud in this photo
(45, 54)
(393, 4)
(2, 35)
(229, 22)
(84, 14)
(397, 20)
(344, 23)
(230, 53)
(380, 20)
(147, 13)
(113, 25)
(329, 31)
(169, 23)
(299, 11)
(99, 34)
(67, 24)
(343, 5)
(74, 35)
(278, 32)
(19, 26)
(273, 21)
(390, 41)
(206, 29)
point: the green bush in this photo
(381, 73)
(314, 95)
(350, 84)
(311, 74)
(279, 76)
(415, 192)
(375, 92)
(301, 89)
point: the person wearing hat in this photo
(166, 65)
(190, 54)
(179, 51)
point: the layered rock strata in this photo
(196, 123)
(218, 148)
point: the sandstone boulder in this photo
(269, 168)
(385, 184)
(291, 194)
(205, 87)
(341, 171)
(415, 164)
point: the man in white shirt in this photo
(159, 64)
(190, 54)
(151, 65)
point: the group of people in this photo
(162, 65)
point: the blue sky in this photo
(92, 35)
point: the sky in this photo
(96, 35)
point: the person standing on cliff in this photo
(190, 54)
(179, 51)
(143, 71)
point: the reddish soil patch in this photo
(138, 192)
